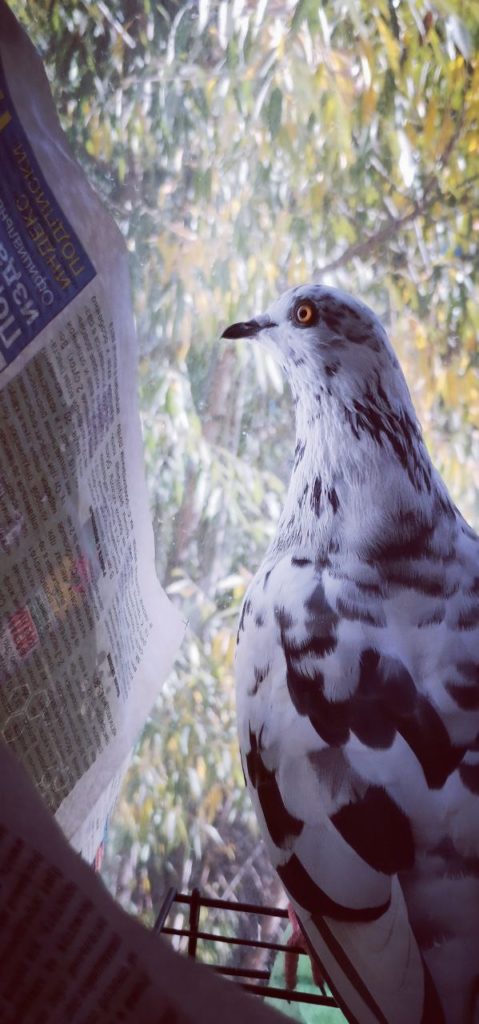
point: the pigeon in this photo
(357, 677)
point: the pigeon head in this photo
(330, 345)
(354, 412)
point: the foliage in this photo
(244, 147)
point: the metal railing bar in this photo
(195, 906)
(248, 908)
(164, 909)
(239, 972)
(230, 940)
(193, 934)
(290, 996)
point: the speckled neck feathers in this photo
(357, 461)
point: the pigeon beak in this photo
(248, 328)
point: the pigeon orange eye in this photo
(304, 314)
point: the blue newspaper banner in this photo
(43, 266)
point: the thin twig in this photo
(116, 24)
(368, 245)
(243, 869)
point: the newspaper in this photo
(86, 633)
(70, 955)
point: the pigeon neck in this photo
(348, 480)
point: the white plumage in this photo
(358, 679)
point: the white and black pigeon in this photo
(358, 679)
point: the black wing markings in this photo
(280, 823)
(386, 700)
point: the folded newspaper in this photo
(70, 955)
(86, 633)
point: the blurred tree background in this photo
(244, 147)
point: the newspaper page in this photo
(69, 953)
(86, 633)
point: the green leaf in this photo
(272, 111)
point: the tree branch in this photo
(368, 245)
(364, 249)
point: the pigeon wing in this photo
(323, 776)
(340, 868)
